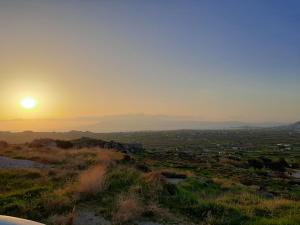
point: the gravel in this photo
(6, 162)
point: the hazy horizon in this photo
(209, 61)
(126, 123)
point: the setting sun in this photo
(28, 103)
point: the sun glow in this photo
(28, 103)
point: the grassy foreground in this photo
(124, 189)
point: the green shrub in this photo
(276, 221)
(120, 179)
(201, 188)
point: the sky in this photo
(208, 60)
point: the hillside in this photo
(181, 177)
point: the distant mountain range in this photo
(124, 123)
(149, 122)
(295, 126)
(114, 128)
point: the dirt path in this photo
(88, 217)
(6, 162)
(148, 223)
(296, 174)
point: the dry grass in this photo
(240, 199)
(65, 158)
(56, 203)
(250, 203)
(42, 155)
(154, 209)
(177, 172)
(154, 178)
(102, 155)
(226, 183)
(275, 204)
(129, 207)
(91, 181)
(154, 184)
(231, 162)
(108, 157)
(60, 200)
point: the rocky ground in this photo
(6, 162)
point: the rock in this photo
(87, 217)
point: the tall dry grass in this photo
(129, 207)
(92, 180)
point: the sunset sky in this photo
(205, 59)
